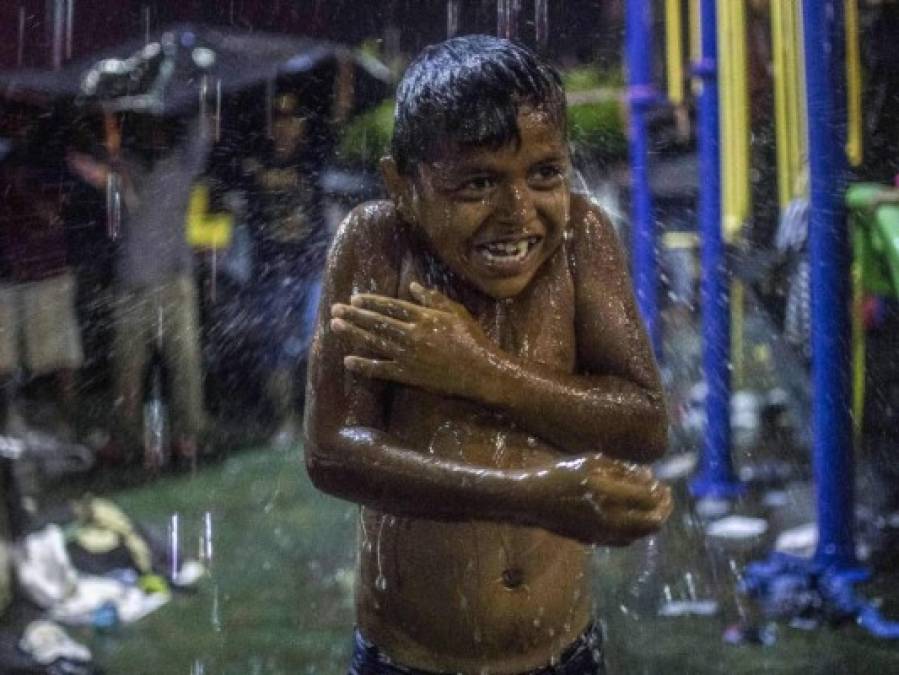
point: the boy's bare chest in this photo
(537, 325)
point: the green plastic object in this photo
(367, 137)
(875, 239)
(596, 122)
(598, 126)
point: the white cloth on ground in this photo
(45, 642)
(49, 579)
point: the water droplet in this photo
(453, 9)
(20, 53)
(174, 540)
(113, 205)
(541, 22)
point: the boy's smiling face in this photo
(493, 217)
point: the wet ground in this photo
(278, 599)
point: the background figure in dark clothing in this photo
(39, 331)
(291, 238)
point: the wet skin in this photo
(481, 385)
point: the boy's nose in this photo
(516, 203)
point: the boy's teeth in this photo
(508, 249)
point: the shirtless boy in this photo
(480, 381)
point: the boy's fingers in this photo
(640, 523)
(373, 322)
(636, 473)
(373, 368)
(392, 307)
(430, 297)
(362, 338)
(666, 505)
(633, 495)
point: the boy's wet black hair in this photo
(467, 91)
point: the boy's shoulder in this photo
(588, 218)
(590, 229)
(370, 220)
(371, 232)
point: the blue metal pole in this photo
(830, 255)
(716, 476)
(642, 96)
(833, 571)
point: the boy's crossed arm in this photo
(614, 404)
(588, 497)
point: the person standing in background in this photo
(39, 330)
(155, 305)
(291, 240)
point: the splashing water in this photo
(113, 205)
(216, 613)
(20, 53)
(507, 13)
(541, 22)
(156, 429)
(206, 546)
(58, 31)
(381, 580)
(160, 324)
(218, 109)
(269, 107)
(203, 93)
(453, 10)
(146, 12)
(174, 547)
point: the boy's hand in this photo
(436, 345)
(609, 502)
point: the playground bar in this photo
(642, 95)
(830, 255)
(716, 477)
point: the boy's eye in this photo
(547, 175)
(476, 186)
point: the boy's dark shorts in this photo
(584, 656)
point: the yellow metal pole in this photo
(858, 354)
(853, 85)
(789, 98)
(734, 117)
(854, 153)
(725, 91)
(694, 31)
(741, 107)
(738, 358)
(674, 51)
(728, 152)
(779, 38)
(798, 142)
(741, 178)
(735, 152)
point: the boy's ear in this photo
(399, 187)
